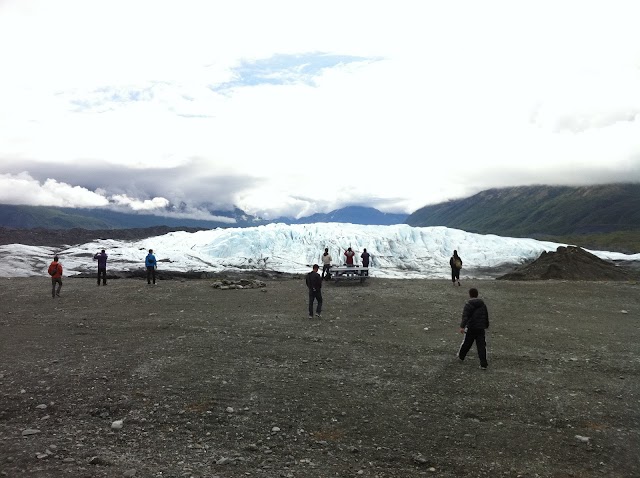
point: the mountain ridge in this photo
(591, 216)
(51, 217)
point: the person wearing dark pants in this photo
(314, 284)
(365, 256)
(326, 263)
(475, 320)
(456, 264)
(101, 257)
(55, 271)
(150, 262)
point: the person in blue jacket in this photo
(150, 262)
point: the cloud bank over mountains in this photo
(24, 190)
(290, 109)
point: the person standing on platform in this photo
(365, 256)
(349, 255)
(326, 263)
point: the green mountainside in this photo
(589, 216)
(27, 217)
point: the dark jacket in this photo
(101, 257)
(365, 259)
(314, 281)
(475, 315)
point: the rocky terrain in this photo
(186, 379)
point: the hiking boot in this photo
(318, 316)
(458, 282)
(483, 367)
(310, 317)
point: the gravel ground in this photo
(203, 382)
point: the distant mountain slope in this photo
(534, 211)
(352, 215)
(28, 217)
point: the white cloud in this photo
(463, 96)
(138, 205)
(23, 189)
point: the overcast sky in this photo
(292, 107)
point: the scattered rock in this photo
(129, 473)
(30, 431)
(275, 429)
(117, 425)
(42, 406)
(99, 461)
(420, 459)
(582, 439)
(226, 284)
(230, 410)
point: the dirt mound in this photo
(568, 263)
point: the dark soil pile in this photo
(568, 263)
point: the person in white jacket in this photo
(326, 262)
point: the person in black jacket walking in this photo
(475, 320)
(456, 264)
(314, 283)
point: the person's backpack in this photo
(457, 263)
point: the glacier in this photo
(397, 251)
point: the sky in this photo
(399, 251)
(288, 108)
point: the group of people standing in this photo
(475, 315)
(349, 255)
(55, 270)
(314, 280)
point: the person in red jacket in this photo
(349, 255)
(55, 271)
